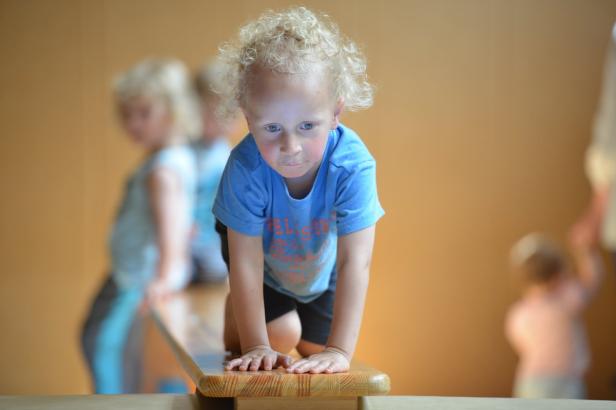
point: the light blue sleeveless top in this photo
(211, 161)
(133, 244)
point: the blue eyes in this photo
(275, 128)
(306, 126)
(272, 128)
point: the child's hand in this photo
(260, 357)
(330, 360)
(583, 235)
(159, 290)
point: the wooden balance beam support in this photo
(192, 323)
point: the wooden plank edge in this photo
(187, 362)
(217, 386)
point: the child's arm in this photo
(584, 241)
(167, 199)
(353, 267)
(589, 266)
(588, 226)
(246, 282)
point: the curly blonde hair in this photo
(291, 42)
(167, 80)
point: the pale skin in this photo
(583, 282)
(290, 117)
(149, 123)
(588, 226)
(166, 200)
(584, 241)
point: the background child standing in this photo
(545, 326)
(297, 204)
(149, 240)
(211, 151)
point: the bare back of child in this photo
(545, 326)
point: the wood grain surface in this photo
(192, 323)
(98, 402)
(478, 403)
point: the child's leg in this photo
(306, 348)
(283, 332)
(90, 328)
(316, 319)
(283, 324)
(105, 334)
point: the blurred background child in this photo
(149, 241)
(598, 221)
(545, 326)
(211, 151)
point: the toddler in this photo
(545, 326)
(297, 204)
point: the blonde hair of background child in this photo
(292, 42)
(209, 77)
(167, 80)
(537, 258)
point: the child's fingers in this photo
(284, 360)
(320, 366)
(295, 365)
(336, 368)
(268, 362)
(245, 363)
(233, 364)
(255, 364)
(306, 366)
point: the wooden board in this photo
(477, 403)
(99, 402)
(192, 324)
(296, 403)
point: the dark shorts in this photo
(315, 317)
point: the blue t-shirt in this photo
(133, 244)
(300, 235)
(205, 245)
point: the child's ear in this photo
(337, 111)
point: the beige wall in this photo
(482, 114)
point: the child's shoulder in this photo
(177, 157)
(572, 294)
(174, 152)
(246, 154)
(349, 150)
(517, 309)
(211, 157)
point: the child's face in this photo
(146, 120)
(290, 117)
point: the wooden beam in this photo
(100, 402)
(478, 403)
(192, 324)
(296, 403)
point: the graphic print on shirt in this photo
(298, 254)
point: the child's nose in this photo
(290, 144)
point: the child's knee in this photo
(306, 348)
(285, 332)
